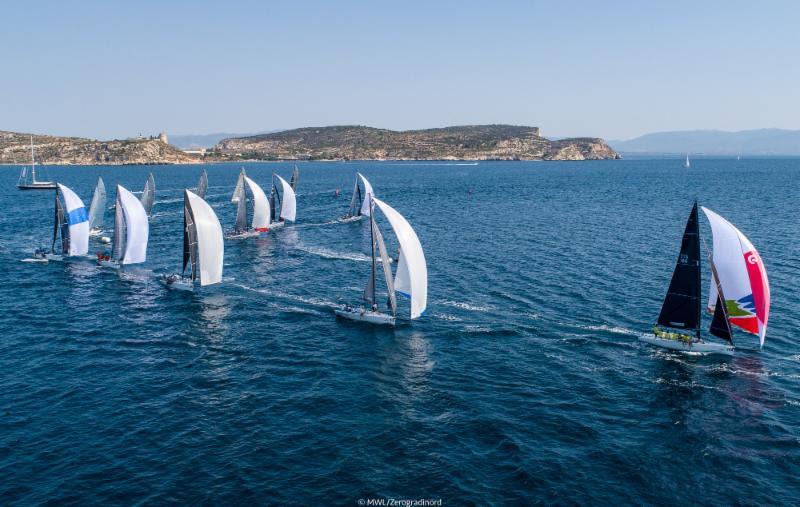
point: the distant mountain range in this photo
(714, 142)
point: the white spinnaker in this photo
(411, 278)
(741, 275)
(260, 205)
(78, 220)
(288, 201)
(368, 193)
(137, 227)
(210, 244)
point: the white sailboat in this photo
(411, 277)
(131, 232)
(359, 204)
(261, 210)
(33, 184)
(738, 295)
(97, 208)
(71, 223)
(149, 195)
(686, 163)
(203, 246)
(286, 200)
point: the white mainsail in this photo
(742, 277)
(368, 193)
(98, 206)
(78, 221)
(210, 243)
(202, 185)
(149, 194)
(260, 206)
(137, 228)
(411, 278)
(288, 201)
(238, 191)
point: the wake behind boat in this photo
(737, 272)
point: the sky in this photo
(609, 69)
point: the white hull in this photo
(54, 257)
(355, 218)
(95, 232)
(366, 316)
(183, 284)
(276, 225)
(109, 264)
(700, 347)
(245, 235)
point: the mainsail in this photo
(260, 206)
(742, 277)
(75, 222)
(411, 278)
(681, 308)
(203, 236)
(149, 194)
(202, 185)
(355, 202)
(238, 192)
(368, 193)
(288, 201)
(295, 177)
(387, 268)
(98, 206)
(131, 220)
(60, 225)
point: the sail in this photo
(137, 228)
(98, 206)
(260, 206)
(353, 202)
(189, 241)
(58, 222)
(78, 221)
(118, 246)
(681, 308)
(411, 278)
(288, 202)
(742, 277)
(202, 185)
(295, 177)
(719, 327)
(238, 192)
(387, 268)
(367, 194)
(241, 212)
(210, 243)
(149, 194)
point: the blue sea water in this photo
(523, 383)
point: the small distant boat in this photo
(738, 296)
(295, 177)
(359, 204)
(149, 195)
(203, 246)
(686, 163)
(97, 208)
(202, 185)
(25, 183)
(411, 277)
(261, 209)
(131, 232)
(285, 199)
(71, 223)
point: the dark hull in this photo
(36, 186)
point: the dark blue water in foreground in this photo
(523, 383)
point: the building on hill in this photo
(163, 138)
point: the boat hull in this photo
(700, 347)
(181, 284)
(368, 317)
(38, 186)
(354, 218)
(109, 264)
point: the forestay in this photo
(411, 278)
(210, 244)
(742, 277)
(77, 221)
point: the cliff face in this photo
(15, 148)
(478, 142)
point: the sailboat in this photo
(739, 292)
(71, 223)
(131, 232)
(295, 177)
(287, 203)
(149, 195)
(359, 204)
(202, 185)
(97, 208)
(411, 277)
(24, 184)
(686, 163)
(237, 192)
(203, 245)
(260, 223)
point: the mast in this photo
(56, 222)
(33, 162)
(387, 268)
(351, 211)
(369, 292)
(118, 249)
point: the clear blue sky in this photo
(610, 69)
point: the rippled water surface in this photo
(524, 382)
